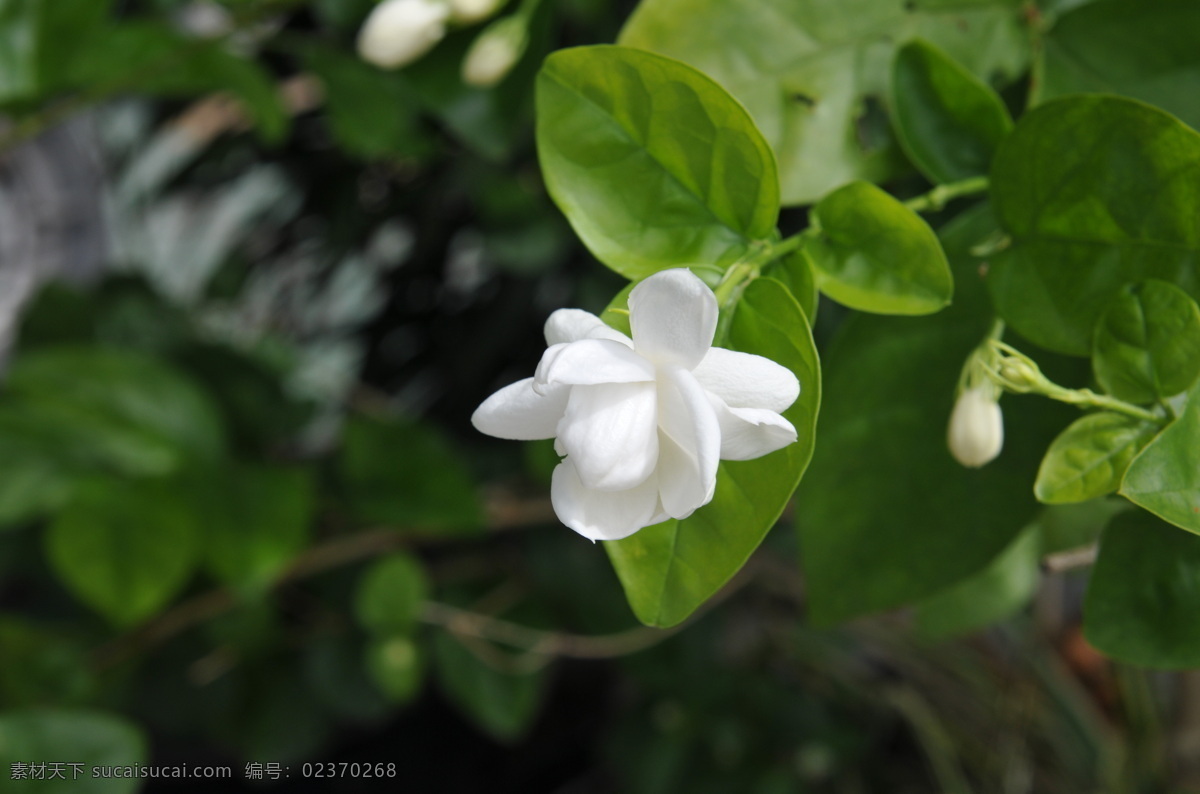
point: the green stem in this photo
(937, 198)
(1086, 398)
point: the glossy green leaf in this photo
(813, 73)
(1143, 598)
(1147, 343)
(670, 569)
(653, 163)
(408, 476)
(390, 595)
(1096, 192)
(874, 254)
(130, 409)
(1006, 585)
(76, 740)
(502, 704)
(1090, 457)
(948, 121)
(256, 520)
(1165, 477)
(1145, 50)
(885, 514)
(125, 547)
(397, 667)
(796, 271)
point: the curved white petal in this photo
(744, 380)
(572, 325)
(748, 433)
(610, 432)
(590, 362)
(601, 515)
(673, 316)
(689, 443)
(519, 413)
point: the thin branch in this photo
(1069, 560)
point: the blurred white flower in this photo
(399, 32)
(976, 432)
(642, 422)
(495, 52)
(466, 12)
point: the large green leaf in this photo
(408, 476)
(256, 519)
(73, 742)
(885, 514)
(1096, 192)
(1143, 598)
(670, 569)
(948, 121)
(390, 595)
(1145, 50)
(37, 38)
(1003, 587)
(652, 162)
(1147, 343)
(1089, 458)
(1165, 477)
(874, 254)
(125, 547)
(813, 73)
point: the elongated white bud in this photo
(497, 50)
(976, 432)
(399, 32)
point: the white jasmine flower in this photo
(976, 432)
(642, 422)
(495, 52)
(467, 12)
(399, 32)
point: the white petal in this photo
(398, 32)
(744, 380)
(571, 325)
(673, 316)
(589, 362)
(976, 432)
(689, 443)
(610, 432)
(519, 413)
(748, 433)
(601, 515)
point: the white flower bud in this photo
(976, 433)
(467, 12)
(399, 32)
(493, 55)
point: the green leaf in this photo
(406, 475)
(256, 519)
(1003, 587)
(948, 121)
(372, 113)
(390, 595)
(1147, 343)
(1072, 526)
(885, 514)
(1090, 457)
(87, 739)
(812, 72)
(1143, 597)
(670, 569)
(38, 38)
(1145, 50)
(874, 254)
(502, 704)
(397, 667)
(1165, 477)
(336, 676)
(653, 163)
(796, 271)
(1096, 192)
(125, 548)
(142, 414)
(41, 667)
